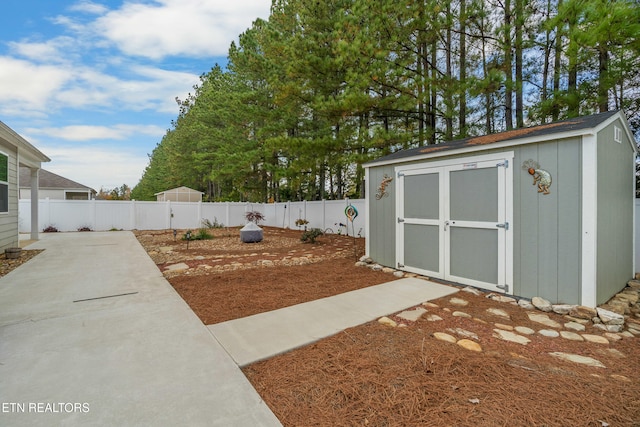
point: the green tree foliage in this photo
(119, 193)
(320, 88)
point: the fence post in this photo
(132, 215)
(94, 226)
(324, 215)
(169, 214)
(48, 205)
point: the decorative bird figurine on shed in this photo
(540, 176)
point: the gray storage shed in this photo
(543, 211)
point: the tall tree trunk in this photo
(557, 61)
(485, 71)
(519, 48)
(434, 94)
(603, 71)
(448, 86)
(573, 103)
(420, 76)
(544, 90)
(462, 114)
(508, 67)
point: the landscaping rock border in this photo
(620, 312)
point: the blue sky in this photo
(92, 84)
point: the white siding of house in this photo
(54, 194)
(25, 193)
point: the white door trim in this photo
(589, 220)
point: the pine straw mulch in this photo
(243, 293)
(375, 375)
(236, 283)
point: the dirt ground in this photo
(377, 375)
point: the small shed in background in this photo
(180, 194)
(543, 211)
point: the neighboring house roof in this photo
(49, 180)
(569, 127)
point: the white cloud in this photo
(80, 72)
(28, 86)
(90, 7)
(69, 23)
(147, 88)
(96, 167)
(88, 132)
(179, 27)
(55, 50)
(25, 85)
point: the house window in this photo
(4, 183)
(75, 195)
(617, 134)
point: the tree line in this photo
(320, 88)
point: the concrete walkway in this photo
(264, 335)
(91, 334)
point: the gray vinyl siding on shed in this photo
(382, 219)
(547, 227)
(615, 208)
(9, 221)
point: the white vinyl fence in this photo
(103, 215)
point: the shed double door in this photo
(453, 224)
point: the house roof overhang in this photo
(28, 154)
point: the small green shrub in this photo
(310, 236)
(201, 234)
(215, 224)
(300, 222)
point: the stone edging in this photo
(620, 311)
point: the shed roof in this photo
(578, 125)
(182, 189)
(48, 179)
